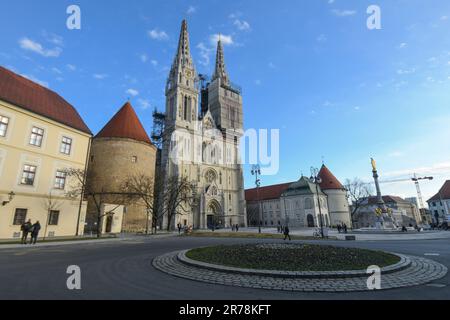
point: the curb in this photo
(404, 263)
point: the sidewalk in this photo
(65, 242)
(360, 236)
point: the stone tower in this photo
(120, 150)
(338, 206)
(204, 148)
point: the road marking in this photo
(432, 254)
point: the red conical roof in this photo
(125, 124)
(329, 181)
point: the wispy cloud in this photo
(144, 104)
(143, 57)
(53, 38)
(56, 70)
(158, 34)
(132, 92)
(36, 47)
(343, 13)
(435, 169)
(226, 39)
(71, 67)
(242, 25)
(191, 10)
(205, 53)
(100, 76)
(322, 38)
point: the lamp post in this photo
(256, 171)
(317, 180)
(11, 196)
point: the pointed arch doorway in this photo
(214, 215)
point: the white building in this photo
(439, 204)
(297, 203)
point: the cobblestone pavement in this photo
(419, 272)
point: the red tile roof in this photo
(125, 124)
(35, 98)
(266, 193)
(444, 192)
(329, 181)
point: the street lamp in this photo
(256, 171)
(11, 196)
(317, 180)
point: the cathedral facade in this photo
(202, 144)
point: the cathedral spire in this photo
(183, 56)
(220, 71)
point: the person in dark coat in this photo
(25, 228)
(179, 228)
(237, 228)
(35, 232)
(345, 228)
(286, 233)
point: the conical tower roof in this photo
(329, 181)
(125, 124)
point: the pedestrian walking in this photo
(237, 228)
(286, 233)
(35, 232)
(339, 228)
(25, 228)
(345, 228)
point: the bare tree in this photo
(357, 192)
(176, 198)
(99, 197)
(50, 204)
(144, 188)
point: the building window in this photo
(134, 159)
(53, 218)
(60, 180)
(66, 145)
(4, 121)
(19, 217)
(36, 137)
(28, 175)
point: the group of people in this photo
(342, 228)
(235, 227)
(185, 229)
(32, 229)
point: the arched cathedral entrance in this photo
(214, 215)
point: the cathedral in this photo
(201, 144)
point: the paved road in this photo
(122, 270)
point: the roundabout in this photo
(301, 268)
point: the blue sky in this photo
(309, 68)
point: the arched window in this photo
(185, 114)
(308, 204)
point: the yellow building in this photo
(41, 135)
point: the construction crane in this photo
(416, 180)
